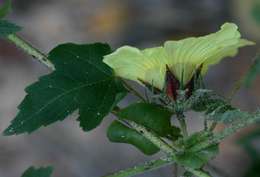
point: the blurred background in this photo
(142, 23)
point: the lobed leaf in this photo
(81, 82)
(38, 172)
(120, 133)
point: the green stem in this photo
(148, 166)
(240, 82)
(154, 139)
(205, 124)
(29, 49)
(213, 126)
(183, 125)
(217, 170)
(218, 137)
(198, 173)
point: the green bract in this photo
(183, 57)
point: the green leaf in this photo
(38, 172)
(5, 8)
(7, 28)
(253, 72)
(152, 116)
(194, 158)
(120, 133)
(81, 82)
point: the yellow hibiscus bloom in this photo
(183, 58)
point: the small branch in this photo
(29, 49)
(213, 126)
(198, 173)
(218, 137)
(205, 122)
(183, 125)
(154, 139)
(148, 166)
(149, 135)
(239, 83)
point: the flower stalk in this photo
(29, 49)
(148, 166)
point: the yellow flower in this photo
(183, 57)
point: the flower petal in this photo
(148, 65)
(188, 54)
(229, 51)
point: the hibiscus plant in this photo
(92, 79)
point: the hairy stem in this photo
(213, 126)
(29, 49)
(198, 173)
(205, 122)
(218, 137)
(183, 125)
(154, 139)
(240, 82)
(148, 166)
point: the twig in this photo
(239, 83)
(154, 139)
(205, 122)
(218, 137)
(183, 125)
(198, 173)
(29, 49)
(213, 126)
(148, 166)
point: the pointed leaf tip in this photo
(81, 82)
